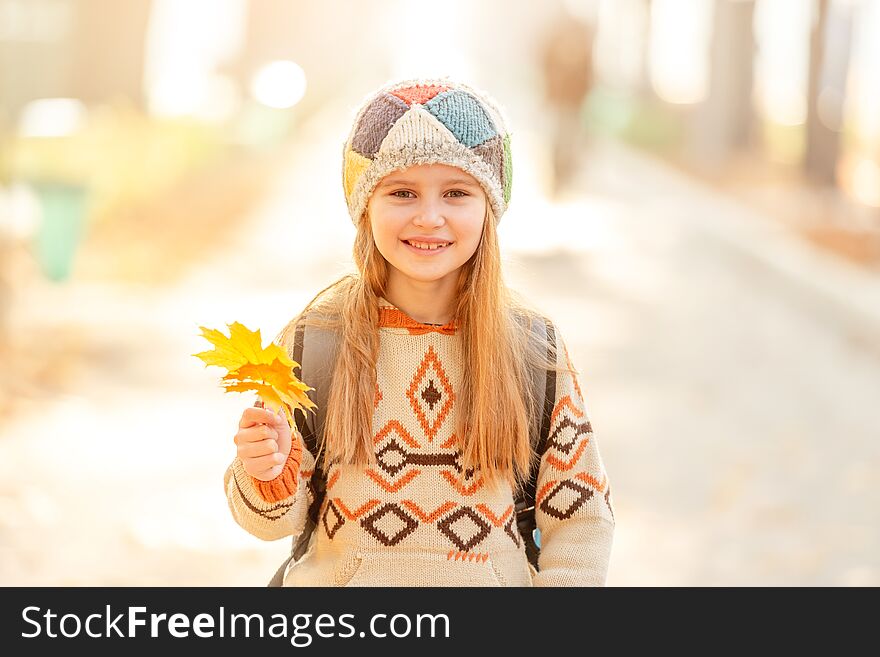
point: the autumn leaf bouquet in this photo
(251, 367)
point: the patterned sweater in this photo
(415, 519)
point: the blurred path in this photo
(731, 399)
(119, 481)
(731, 373)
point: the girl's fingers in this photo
(271, 473)
(254, 416)
(255, 435)
(262, 463)
(254, 450)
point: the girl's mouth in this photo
(424, 249)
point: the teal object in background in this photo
(63, 208)
(537, 534)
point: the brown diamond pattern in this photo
(392, 458)
(469, 518)
(608, 501)
(380, 515)
(582, 495)
(512, 530)
(580, 429)
(338, 520)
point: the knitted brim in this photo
(436, 121)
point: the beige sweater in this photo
(414, 519)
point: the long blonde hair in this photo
(497, 402)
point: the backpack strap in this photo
(542, 330)
(314, 348)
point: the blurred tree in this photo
(829, 63)
(87, 49)
(725, 119)
(32, 31)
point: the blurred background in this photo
(696, 203)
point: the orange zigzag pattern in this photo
(543, 492)
(354, 515)
(565, 401)
(460, 487)
(394, 424)
(583, 476)
(387, 485)
(428, 517)
(595, 483)
(567, 465)
(332, 480)
(497, 521)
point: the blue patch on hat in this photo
(463, 115)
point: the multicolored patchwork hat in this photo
(436, 121)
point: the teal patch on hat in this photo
(463, 115)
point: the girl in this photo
(426, 434)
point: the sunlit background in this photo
(696, 203)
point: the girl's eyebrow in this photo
(411, 183)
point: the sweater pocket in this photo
(394, 568)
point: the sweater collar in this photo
(390, 316)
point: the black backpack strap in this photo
(549, 402)
(278, 577)
(545, 382)
(316, 369)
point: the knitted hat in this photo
(435, 121)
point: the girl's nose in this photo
(429, 213)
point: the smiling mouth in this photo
(427, 248)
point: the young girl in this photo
(426, 436)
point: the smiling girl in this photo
(426, 440)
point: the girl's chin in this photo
(423, 275)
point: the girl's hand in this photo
(263, 442)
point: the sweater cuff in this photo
(284, 485)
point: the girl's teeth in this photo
(432, 247)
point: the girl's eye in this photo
(404, 193)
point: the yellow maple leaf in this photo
(276, 375)
(250, 367)
(241, 347)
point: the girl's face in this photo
(434, 204)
